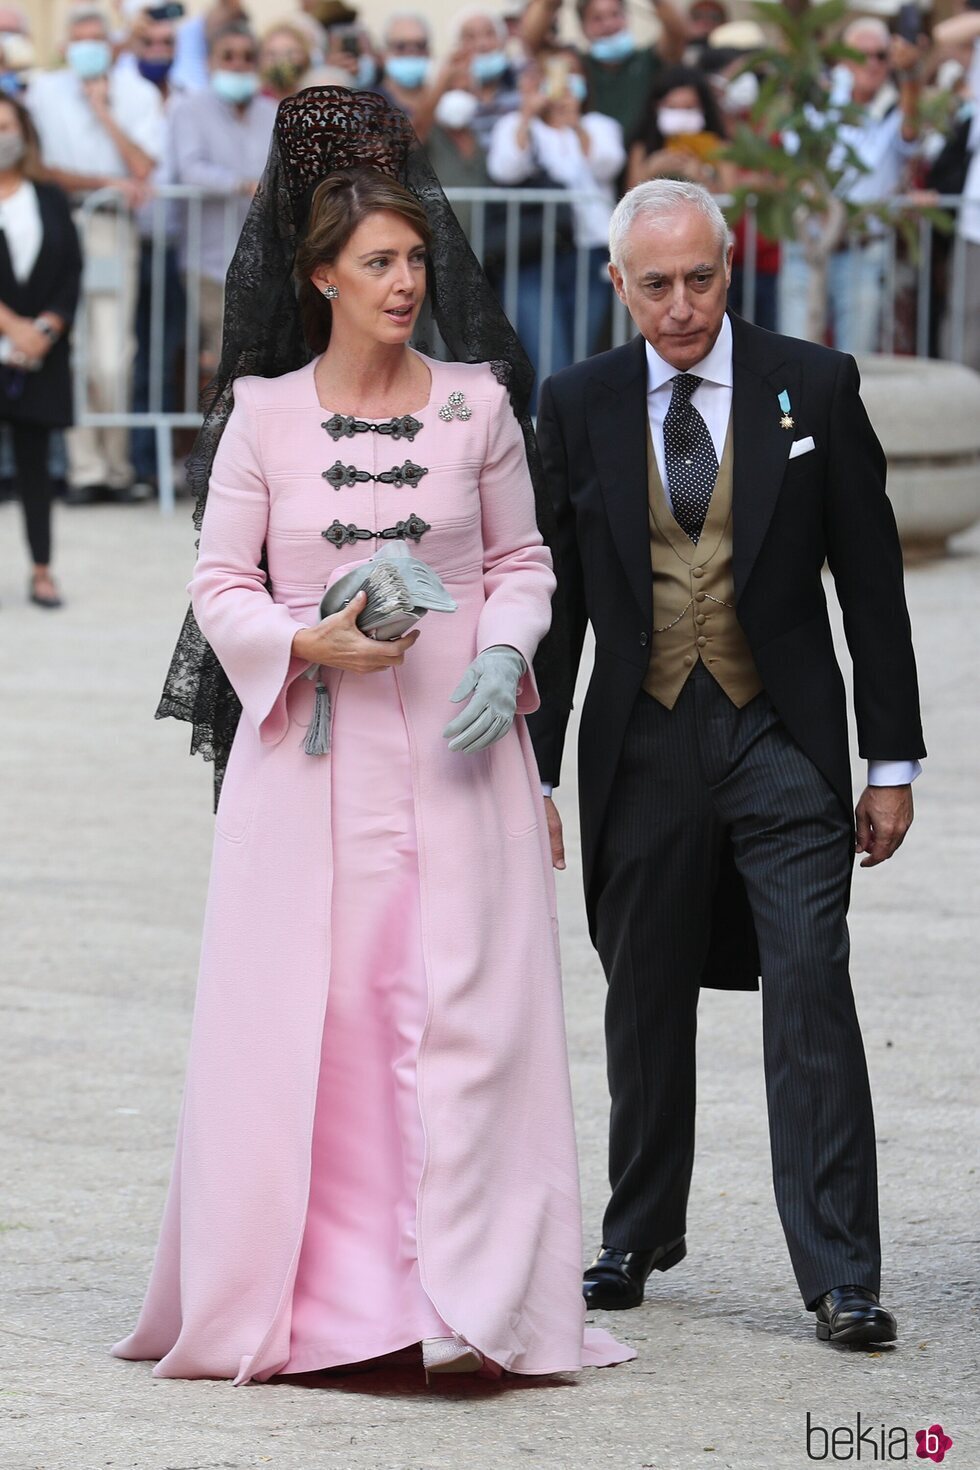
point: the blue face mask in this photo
(488, 66)
(408, 71)
(613, 48)
(89, 59)
(235, 87)
(367, 72)
(155, 71)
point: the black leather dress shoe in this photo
(615, 1280)
(854, 1316)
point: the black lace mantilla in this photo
(317, 131)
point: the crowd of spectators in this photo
(148, 96)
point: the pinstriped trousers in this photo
(686, 778)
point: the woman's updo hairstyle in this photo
(340, 203)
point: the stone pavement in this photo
(105, 827)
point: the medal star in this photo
(786, 422)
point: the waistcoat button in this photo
(702, 641)
(688, 660)
(699, 596)
(644, 640)
(700, 618)
(697, 571)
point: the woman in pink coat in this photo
(376, 1146)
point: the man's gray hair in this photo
(867, 25)
(415, 16)
(81, 14)
(483, 11)
(659, 199)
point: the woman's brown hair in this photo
(30, 165)
(340, 203)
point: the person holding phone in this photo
(619, 70)
(886, 140)
(350, 51)
(557, 140)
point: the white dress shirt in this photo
(713, 401)
(73, 139)
(20, 221)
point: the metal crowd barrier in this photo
(174, 217)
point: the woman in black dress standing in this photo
(40, 271)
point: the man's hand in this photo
(555, 834)
(905, 55)
(883, 816)
(533, 100)
(96, 91)
(134, 193)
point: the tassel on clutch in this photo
(317, 740)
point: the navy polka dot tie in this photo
(689, 458)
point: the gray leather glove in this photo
(492, 679)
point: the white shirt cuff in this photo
(893, 773)
(547, 787)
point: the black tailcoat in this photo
(790, 516)
(45, 397)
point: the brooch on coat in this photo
(455, 407)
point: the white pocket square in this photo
(801, 446)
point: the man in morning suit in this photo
(701, 476)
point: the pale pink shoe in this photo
(449, 1355)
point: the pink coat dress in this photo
(376, 1140)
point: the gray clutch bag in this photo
(400, 590)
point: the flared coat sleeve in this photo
(251, 635)
(518, 580)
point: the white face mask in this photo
(673, 121)
(455, 109)
(18, 52)
(949, 75)
(741, 93)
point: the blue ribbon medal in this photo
(786, 422)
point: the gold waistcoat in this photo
(694, 595)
